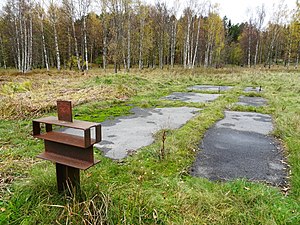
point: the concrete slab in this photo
(253, 89)
(210, 88)
(192, 97)
(239, 147)
(126, 134)
(252, 101)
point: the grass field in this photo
(142, 189)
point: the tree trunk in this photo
(115, 66)
(18, 46)
(197, 42)
(173, 42)
(2, 53)
(104, 49)
(256, 49)
(22, 44)
(142, 22)
(249, 47)
(184, 53)
(128, 43)
(44, 44)
(25, 47)
(56, 46)
(76, 45)
(207, 54)
(161, 50)
(85, 44)
(289, 51)
(69, 44)
(190, 59)
(91, 53)
(30, 45)
(188, 42)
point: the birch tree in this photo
(19, 21)
(83, 12)
(41, 14)
(250, 30)
(70, 10)
(261, 13)
(53, 18)
(200, 10)
(279, 16)
(142, 15)
(214, 29)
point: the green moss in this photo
(99, 112)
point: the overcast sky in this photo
(236, 10)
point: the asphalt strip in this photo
(240, 146)
(126, 134)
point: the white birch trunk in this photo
(22, 44)
(249, 47)
(18, 46)
(256, 50)
(30, 45)
(128, 43)
(56, 46)
(142, 22)
(184, 53)
(188, 42)
(44, 44)
(25, 47)
(206, 59)
(104, 50)
(191, 44)
(85, 43)
(69, 44)
(197, 42)
(76, 45)
(173, 44)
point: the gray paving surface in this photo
(251, 101)
(253, 89)
(239, 147)
(192, 97)
(127, 134)
(210, 88)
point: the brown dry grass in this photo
(24, 96)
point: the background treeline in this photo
(80, 34)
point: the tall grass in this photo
(143, 189)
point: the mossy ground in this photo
(143, 189)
